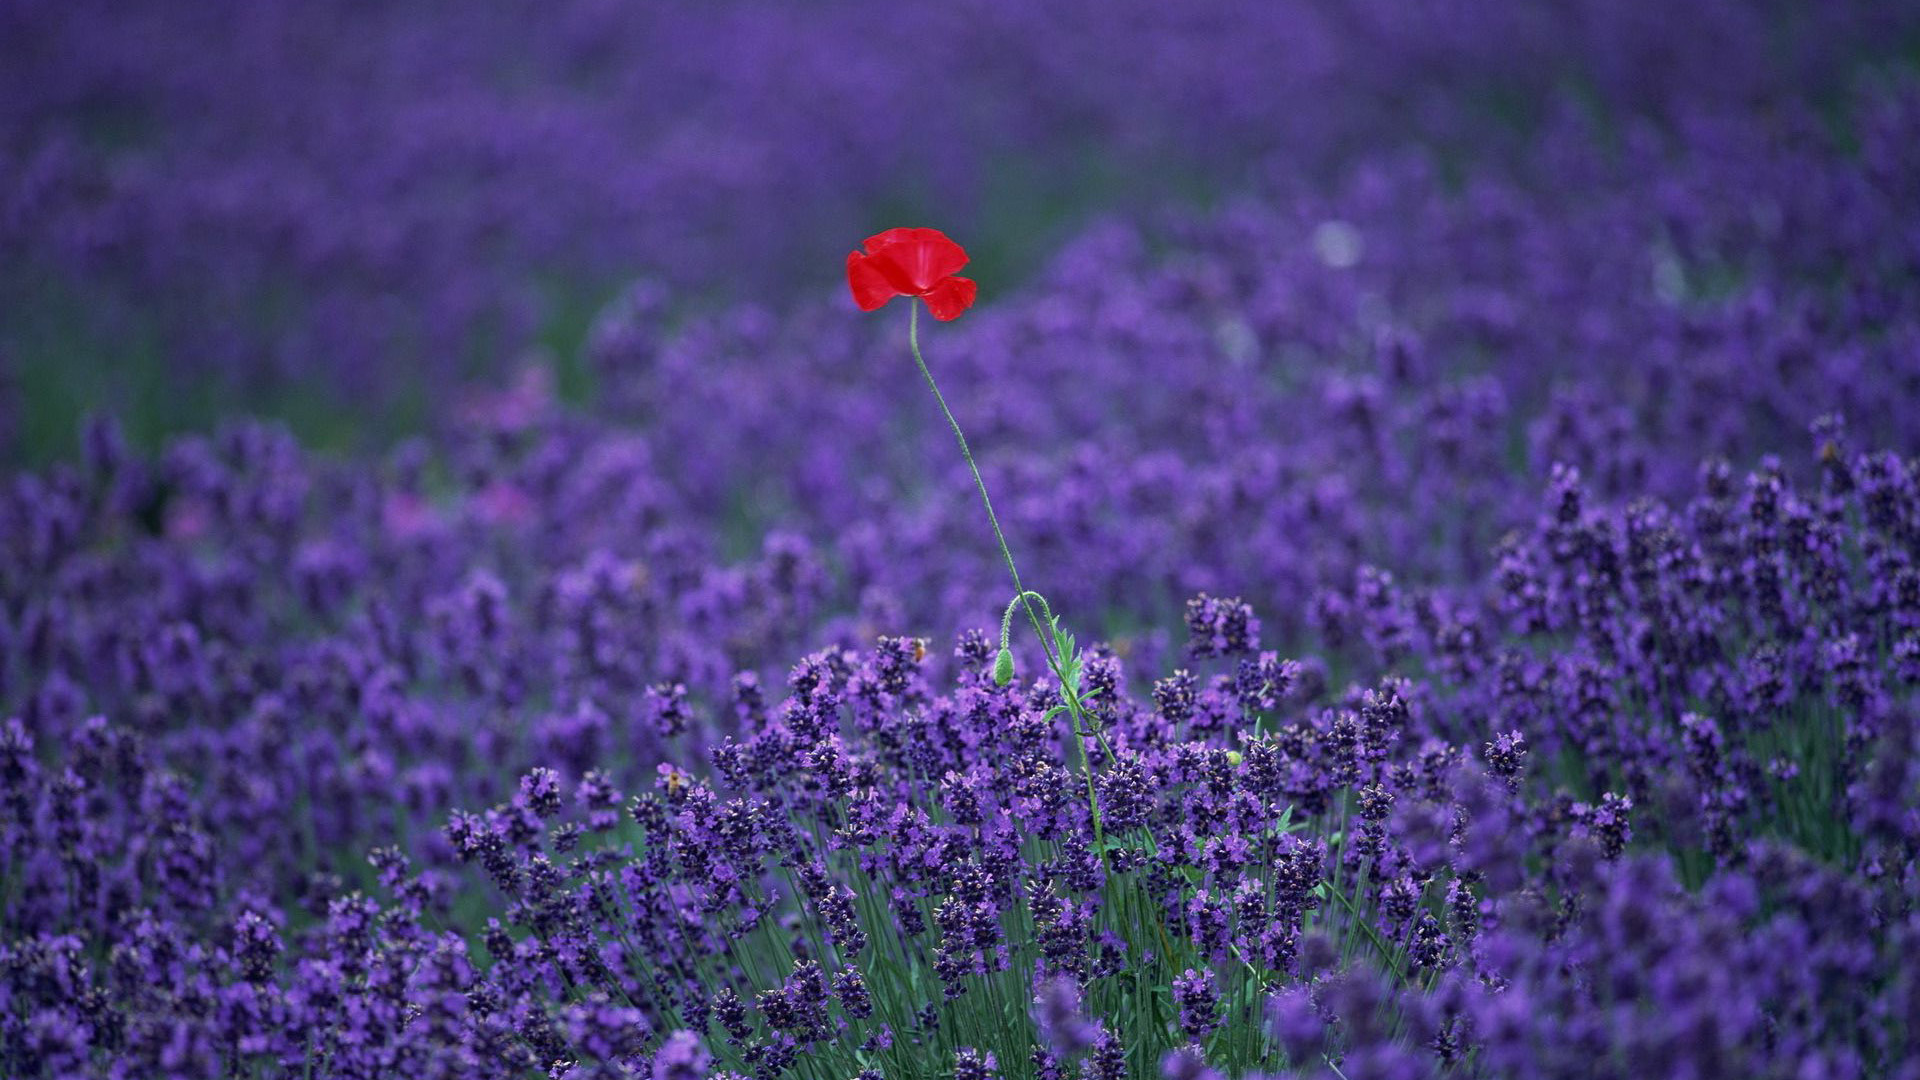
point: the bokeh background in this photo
(339, 214)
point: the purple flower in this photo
(1197, 995)
(1058, 1017)
(681, 1057)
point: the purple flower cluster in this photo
(1529, 861)
(1583, 489)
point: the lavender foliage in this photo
(1507, 567)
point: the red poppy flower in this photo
(911, 262)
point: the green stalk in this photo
(1057, 663)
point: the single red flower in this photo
(911, 262)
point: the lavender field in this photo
(486, 590)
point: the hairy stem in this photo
(1054, 661)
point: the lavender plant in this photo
(1583, 493)
(876, 877)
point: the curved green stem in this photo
(1006, 620)
(1057, 663)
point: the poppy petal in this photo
(896, 276)
(880, 240)
(952, 296)
(900, 236)
(924, 256)
(869, 284)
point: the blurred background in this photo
(341, 214)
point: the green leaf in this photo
(1286, 820)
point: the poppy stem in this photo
(1022, 595)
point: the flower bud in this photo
(1003, 667)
